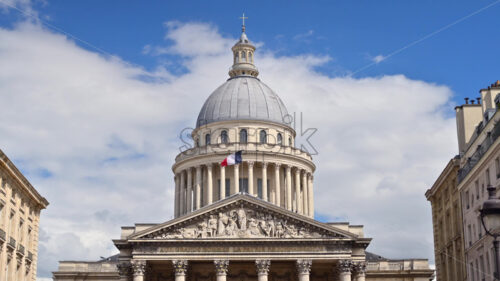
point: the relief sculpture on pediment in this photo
(239, 223)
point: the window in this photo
(259, 188)
(477, 188)
(207, 139)
(279, 139)
(228, 187)
(479, 227)
(263, 136)
(244, 56)
(467, 199)
(488, 181)
(243, 136)
(481, 263)
(471, 270)
(497, 167)
(223, 137)
(290, 141)
(250, 59)
(243, 185)
(20, 233)
(469, 230)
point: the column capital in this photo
(344, 266)
(304, 266)
(277, 166)
(180, 267)
(138, 267)
(288, 168)
(250, 163)
(264, 165)
(263, 266)
(124, 269)
(359, 268)
(221, 266)
(209, 165)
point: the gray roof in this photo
(243, 98)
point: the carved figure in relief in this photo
(253, 227)
(242, 219)
(202, 230)
(212, 226)
(280, 232)
(271, 227)
(231, 227)
(223, 220)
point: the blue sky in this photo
(352, 33)
(94, 133)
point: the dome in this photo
(243, 98)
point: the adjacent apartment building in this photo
(466, 177)
(20, 206)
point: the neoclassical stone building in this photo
(250, 221)
(20, 207)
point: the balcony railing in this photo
(29, 257)
(2, 235)
(20, 250)
(482, 148)
(12, 243)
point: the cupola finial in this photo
(243, 18)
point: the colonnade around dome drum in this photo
(284, 185)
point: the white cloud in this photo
(98, 139)
(378, 58)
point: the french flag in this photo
(232, 159)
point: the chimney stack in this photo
(466, 100)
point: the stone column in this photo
(209, 184)
(124, 270)
(311, 195)
(250, 178)
(236, 185)
(305, 193)
(139, 269)
(344, 269)
(183, 200)
(222, 191)
(198, 187)
(262, 269)
(189, 196)
(177, 195)
(264, 181)
(277, 184)
(304, 269)
(221, 267)
(298, 201)
(289, 188)
(180, 269)
(360, 271)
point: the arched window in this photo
(207, 139)
(263, 136)
(243, 136)
(244, 56)
(279, 139)
(223, 137)
(250, 59)
(197, 142)
(290, 141)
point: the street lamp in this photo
(490, 218)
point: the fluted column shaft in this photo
(264, 181)
(236, 185)
(198, 187)
(209, 184)
(305, 193)
(311, 196)
(177, 195)
(189, 196)
(277, 185)
(298, 205)
(222, 191)
(250, 179)
(289, 188)
(182, 201)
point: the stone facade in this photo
(20, 206)
(447, 224)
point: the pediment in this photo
(242, 217)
